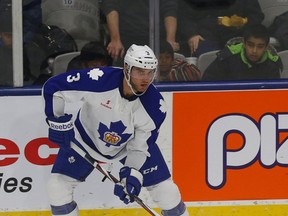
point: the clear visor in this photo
(140, 73)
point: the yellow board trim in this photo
(259, 210)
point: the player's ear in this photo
(126, 68)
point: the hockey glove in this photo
(61, 130)
(130, 184)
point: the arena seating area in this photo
(271, 9)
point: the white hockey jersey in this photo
(108, 125)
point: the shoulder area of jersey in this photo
(99, 72)
(106, 69)
(153, 101)
(152, 93)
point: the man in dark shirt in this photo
(206, 25)
(128, 22)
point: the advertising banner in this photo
(231, 145)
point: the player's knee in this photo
(167, 196)
(60, 189)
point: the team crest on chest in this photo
(113, 134)
(112, 138)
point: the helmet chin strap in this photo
(128, 80)
(130, 86)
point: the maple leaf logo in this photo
(95, 73)
(163, 106)
(113, 135)
(71, 159)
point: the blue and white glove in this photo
(131, 181)
(61, 130)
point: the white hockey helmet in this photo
(141, 57)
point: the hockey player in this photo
(119, 120)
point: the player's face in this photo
(6, 38)
(140, 78)
(255, 48)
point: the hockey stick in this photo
(95, 163)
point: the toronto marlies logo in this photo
(113, 135)
(95, 73)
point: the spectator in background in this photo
(175, 70)
(128, 23)
(32, 18)
(93, 54)
(206, 25)
(80, 18)
(279, 30)
(250, 59)
(6, 63)
(31, 23)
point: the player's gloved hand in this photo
(131, 181)
(61, 130)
